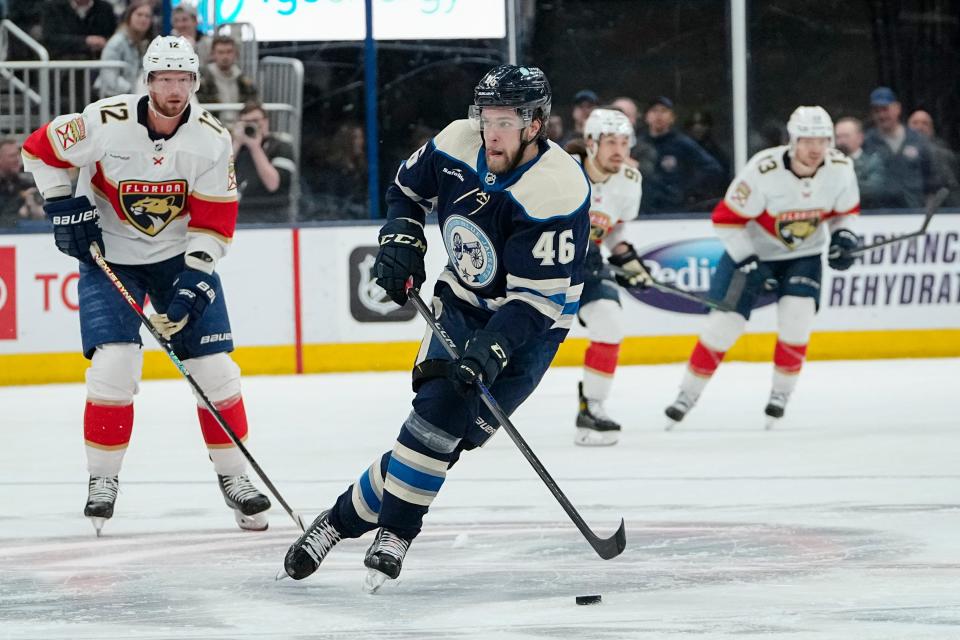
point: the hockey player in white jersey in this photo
(781, 212)
(615, 199)
(157, 194)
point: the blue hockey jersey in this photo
(516, 242)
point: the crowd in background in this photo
(898, 157)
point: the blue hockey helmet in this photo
(526, 89)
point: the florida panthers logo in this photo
(793, 227)
(470, 251)
(151, 206)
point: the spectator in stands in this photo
(584, 102)
(555, 128)
(127, 45)
(643, 156)
(874, 191)
(264, 166)
(77, 29)
(685, 177)
(342, 179)
(904, 152)
(186, 23)
(699, 127)
(19, 199)
(944, 160)
(222, 80)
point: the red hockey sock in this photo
(107, 426)
(704, 361)
(788, 358)
(602, 357)
(235, 416)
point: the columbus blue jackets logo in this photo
(151, 206)
(470, 251)
(793, 227)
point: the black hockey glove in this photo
(402, 247)
(196, 291)
(484, 357)
(76, 225)
(630, 261)
(842, 242)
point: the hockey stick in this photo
(606, 548)
(672, 290)
(98, 257)
(932, 207)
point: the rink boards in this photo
(303, 300)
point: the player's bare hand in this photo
(167, 327)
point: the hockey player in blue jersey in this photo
(513, 210)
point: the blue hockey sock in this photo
(416, 471)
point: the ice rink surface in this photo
(844, 522)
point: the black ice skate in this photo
(248, 504)
(776, 407)
(384, 559)
(101, 496)
(305, 555)
(594, 427)
(680, 407)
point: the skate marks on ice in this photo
(503, 576)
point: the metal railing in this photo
(62, 86)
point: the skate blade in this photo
(592, 438)
(281, 575)
(256, 522)
(771, 422)
(671, 423)
(373, 580)
(97, 524)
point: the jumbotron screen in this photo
(321, 20)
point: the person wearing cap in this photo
(905, 153)
(584, 102)
(942, 158)
(683, 173)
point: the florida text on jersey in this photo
(514, 241)
(152, 191)
(770, 211)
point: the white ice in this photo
(844, 522)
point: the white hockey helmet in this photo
(608, 122)
(171, 53)
(809, 122)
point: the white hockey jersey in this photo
(612, 202)
(771, 212)
(157, 196)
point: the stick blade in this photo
(613, 546)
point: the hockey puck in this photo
(588, 599)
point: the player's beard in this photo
(609, 166)
(503, 163)
(167, 110)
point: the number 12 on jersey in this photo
(548, 255)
